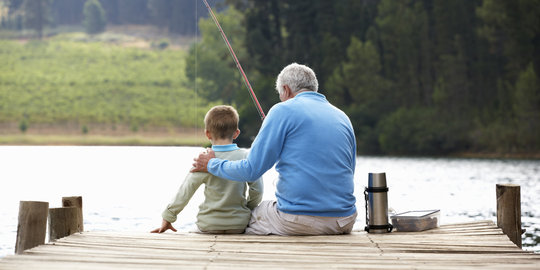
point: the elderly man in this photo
(313, 146)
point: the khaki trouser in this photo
(267, 219)
(233, 231)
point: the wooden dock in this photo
(458, 246)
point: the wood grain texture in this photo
(63, 221)
(509, 211)
(458, 246)
(75, 201)
(32, 225)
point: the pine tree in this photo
(94, 17)
(160, 11)
(512, 29)
(527, 108)
(359, 89)
(36, 14)
(133, 11)
(403, 31)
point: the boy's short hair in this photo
(221, 121)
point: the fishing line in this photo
(196, 66)
(246, 81)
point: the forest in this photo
(416, 77)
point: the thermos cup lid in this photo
(377, 180)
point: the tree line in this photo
(175, 16)
(415, 76)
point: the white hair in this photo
(297, 77)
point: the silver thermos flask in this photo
(376, 196)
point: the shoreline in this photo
(99, 140)
(186, 138)
(103, 140)
(101, 135)
(70, 134)
(489, 155)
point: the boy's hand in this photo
(202, 161)
(165, 225)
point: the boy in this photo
(226, 208)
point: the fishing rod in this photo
(246, 81)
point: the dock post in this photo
(32, 225)
(63, 221)
(509, 211)
(75, 201)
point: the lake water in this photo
(126, 188)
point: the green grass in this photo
(86, 80)
(132, 140)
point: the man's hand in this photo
(165, 225)
(202, 161)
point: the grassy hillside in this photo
(76, 81)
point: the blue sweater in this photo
(314, 147)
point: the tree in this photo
(209, 62)
(455, 46)
(403, 33)
(213, 72)
(512, 28)
(160, 11)
(358, 80)
(13, 5)
(452, 89)
(94, 17)
(416, 131)
(67, 12)
(176, 16)
(112, 8)
(133, 11)
(527, 108)
(36, 14)
(359, 89)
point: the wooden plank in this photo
(509, 211)
(425, 250)
(75, 201)
(468, 259)
(63, 221)
(32, 225)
